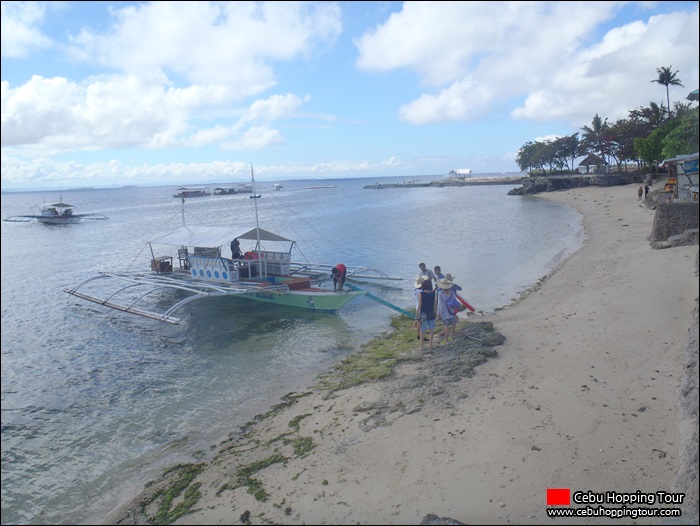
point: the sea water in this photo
(97, 402)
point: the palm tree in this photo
(593, 139)
(666, 78)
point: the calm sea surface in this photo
(95, 402)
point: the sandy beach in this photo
(581, 395)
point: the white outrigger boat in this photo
(55, 214)
(192, 263)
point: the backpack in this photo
(452, 305)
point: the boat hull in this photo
(59, 220)
(310, 300)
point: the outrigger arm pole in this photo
(380, 300)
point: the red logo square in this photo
(558, 497)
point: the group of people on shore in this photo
(436, 298)
(643, 192)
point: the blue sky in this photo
(167, 93)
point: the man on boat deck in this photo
(338, 273)
(235, 249)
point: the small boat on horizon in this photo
(225, 191)
(191, 191)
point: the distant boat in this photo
(315, 187)
(225, 191)
(192, 191)
(277, 186)
(55, 214)
(255, 196)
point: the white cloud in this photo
(229, 43)
(604, 79)
(462, 101)
(104, 112)
(255, 138)
(19, 28)
(477, 54)
(274, 108)
(217, 54)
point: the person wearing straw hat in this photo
(456, 288)
(447, 307)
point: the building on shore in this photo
(682, 181)
(460, 173)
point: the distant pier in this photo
(470, 181)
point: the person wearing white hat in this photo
(447, 307)
(456, 288)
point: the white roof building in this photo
(460, 173)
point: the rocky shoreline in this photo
(536, 185)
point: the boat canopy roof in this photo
(213, 236)
(59, 205)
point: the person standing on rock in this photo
(424, 271)
(416, 292)
(447, 307)
(425, 312)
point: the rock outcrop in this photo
(536, 185)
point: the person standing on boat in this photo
(235, 249)
(338, 273)
(427, 273)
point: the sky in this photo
(98, 94)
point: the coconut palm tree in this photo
(594, 137)
(667, 78)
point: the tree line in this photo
(643, 140)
